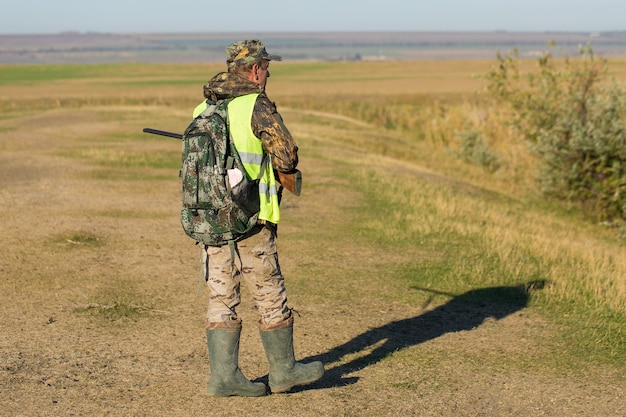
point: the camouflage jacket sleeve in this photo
(267, 124)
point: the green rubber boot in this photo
(226, 377)
(285, 372)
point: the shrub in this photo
(474, 148)
(574, 120)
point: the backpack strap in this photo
(204, 264)
(210, 108)
(234, 250)
(204, 269)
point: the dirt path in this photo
(100, 316)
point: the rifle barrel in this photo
(162, 133)
(291, 181)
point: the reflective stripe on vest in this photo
(250, 150)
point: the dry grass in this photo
(412, 283)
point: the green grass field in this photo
(427, 285)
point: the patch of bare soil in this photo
(100, 315)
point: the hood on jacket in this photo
(226, 85)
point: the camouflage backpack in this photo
(216, 212)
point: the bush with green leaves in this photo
(474, 148)
(574, 118)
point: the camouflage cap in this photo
(247, 51)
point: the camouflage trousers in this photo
(256, 265)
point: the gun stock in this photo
(291, 181)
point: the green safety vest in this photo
(250, 149)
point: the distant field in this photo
(180, 84)
(315, 46)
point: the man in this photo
(258, 132)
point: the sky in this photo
(179, 16)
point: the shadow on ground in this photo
(463, 312)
